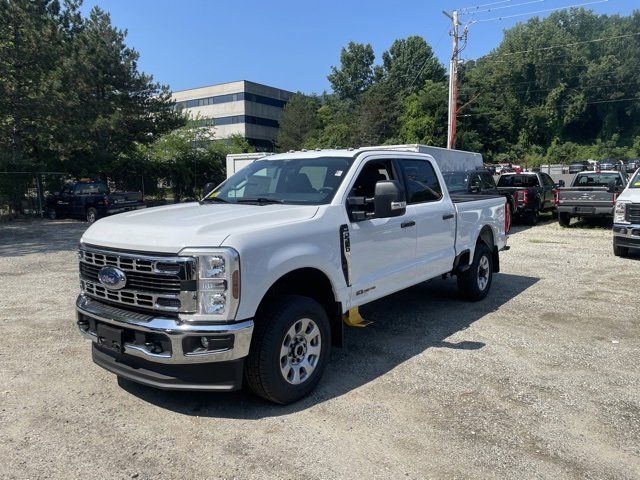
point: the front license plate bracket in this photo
(110, 337)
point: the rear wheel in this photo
(474, 284)
(564, 219)
(290, 349)
(92, 215)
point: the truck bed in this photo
(471, 197)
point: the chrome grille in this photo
(632, 213)
(154, 283)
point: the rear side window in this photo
(518, 181)
(488, 183)
(421, 180)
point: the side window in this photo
(488, 183)
(475, 182)
(373, 172)
(421, 180)
(548, 181)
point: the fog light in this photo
(205, 342)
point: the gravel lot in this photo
(540, 380)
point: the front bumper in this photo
(165, 345)
(626, 235)
(165, 340)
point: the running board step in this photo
(354, 319)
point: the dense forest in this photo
(555, 90)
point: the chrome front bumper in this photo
(172, 328)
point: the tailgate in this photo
(592, 196)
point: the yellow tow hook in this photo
(354, 319)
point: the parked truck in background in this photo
(90, 201)
(626, 219)
(591, 195)
(256, 280)
(533, 194)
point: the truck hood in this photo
(630, 195)
(171, 228)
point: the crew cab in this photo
(90, 201)
(591, 195)
(478, 182)
(626, 218)
(256, 280)
(533, 193)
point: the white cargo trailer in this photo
(447, 160)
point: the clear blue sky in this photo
(292, 44)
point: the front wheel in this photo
(92, 215)
(474, 284)
(289, 350)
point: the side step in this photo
(354, 319)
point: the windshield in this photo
(635, 181)
(596, 179)
(456, 181)
(518, 181)
(308, 181)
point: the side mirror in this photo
(612, 186)
(561, 183)
(389, 200)
(208, 188)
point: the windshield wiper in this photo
(214, 199)
(259, 200)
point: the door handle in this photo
(410, 223)
(448, 216)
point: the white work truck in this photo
(256, 280)
(626, 218)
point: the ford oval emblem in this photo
(112, 278)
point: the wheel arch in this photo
(312, 283)
(487, 237)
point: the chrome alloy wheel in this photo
(300, 351)
(483, 273)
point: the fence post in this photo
(39, 192)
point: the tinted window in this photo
(596, 179)
(518, 181)
(89, 188)
(456, 181)
(421, 180)
(547, 180)
(487, 181)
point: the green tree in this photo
(424, 117)
(409, 63)
(299, 120)
(356, 71)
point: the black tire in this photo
(533, 216)
(92, 215)
(468, 281)
(52, 214)
(564, 219)
(619, 251)
(264, 373)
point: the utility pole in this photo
(453, 81)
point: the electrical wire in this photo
(538, 11)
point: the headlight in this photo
(619, 212)
(218, 283)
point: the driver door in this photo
(382, 250)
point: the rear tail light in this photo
(556, 197)
(522, 197)
(507, 217)
(615, 196)
(105, 200)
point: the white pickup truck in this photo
(626, 218)
(256, 281)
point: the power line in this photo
(484, 5)
(573, 44)
(539, 11)
(505, 6)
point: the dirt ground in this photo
(540, 380)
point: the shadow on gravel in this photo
(405, 325)
(519, 225)
(24, 237)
